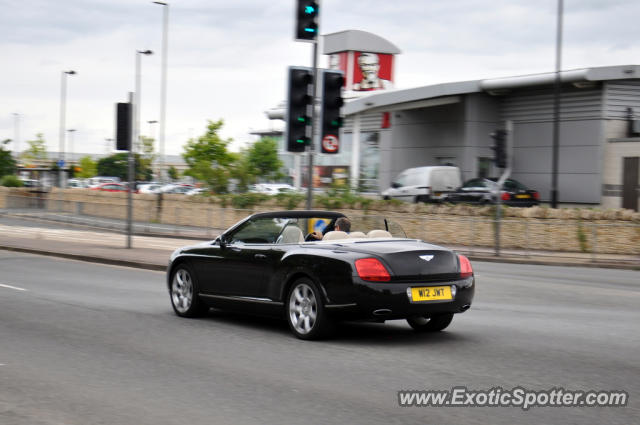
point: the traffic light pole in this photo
(310, 150)
(505, 175)
(130, 174)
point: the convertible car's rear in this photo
(399, 278)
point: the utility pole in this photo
(556, 111)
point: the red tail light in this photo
(465, 267)
(372, 269)
(505, 196)
(536, 196)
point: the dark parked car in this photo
(482, 191)
(263, 265)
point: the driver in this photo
(342, 224)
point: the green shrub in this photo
(290, 200)
(247, 200)
(582, 238)
(10, 181)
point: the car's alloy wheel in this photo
(305, 311)
(184, 298)
(430, 324)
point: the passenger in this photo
(342, 224)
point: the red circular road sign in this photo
(330, 143)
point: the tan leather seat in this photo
(377, 233)
(354, 235)
(334, 235)
(291, 234)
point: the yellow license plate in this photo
(523, 196)
(431, 293)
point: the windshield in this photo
(367, 223)
(283, 230)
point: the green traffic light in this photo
(309, 10)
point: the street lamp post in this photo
(63, 110)
(71, 131)
(136, 138)
(108, 145)
(555, 152)
(163, 87)
(16, 135)
(152, 133)
(136, 106)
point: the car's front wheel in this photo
(430, 324)
(184, 293)
(305, 311)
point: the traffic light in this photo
(330, 119)
(299, 102)
(307, 20)
(123, 126)
(500, 148)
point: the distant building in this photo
(387, 131)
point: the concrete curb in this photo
(561, 263)
(163, 267)
(89, 259)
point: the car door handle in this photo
(260, 256)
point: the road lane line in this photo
(12, 287)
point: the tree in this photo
(88, 167)
(208, 159)
(117, 165)
(263, 159)
(37, 150)
(148, 152)
(260, 160)
(7, 163)
(173, 173)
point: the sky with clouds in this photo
(228, 59)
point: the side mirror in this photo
(220, 240)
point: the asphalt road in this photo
(90, 344)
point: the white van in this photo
(424, 184)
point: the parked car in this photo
(29, 182)
(272, 188)
(196, 191)
(148, 188)
(77, 184)
(175, 188)
(262, 265)
(98, 180)
(482, 191)
(111, 187)
(424, 184)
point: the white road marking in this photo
(12, 287)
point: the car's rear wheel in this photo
(184, 293)
(430, 324)
(305, 311)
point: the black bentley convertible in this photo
(265, 265)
